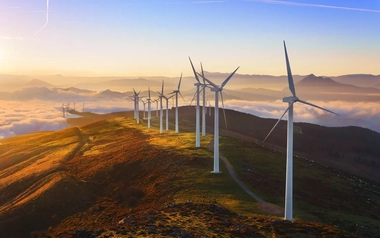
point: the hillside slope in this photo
(114, 177)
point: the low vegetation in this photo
(116, 178)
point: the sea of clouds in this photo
(20, 117)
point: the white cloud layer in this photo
(363, 114)
(20, 117)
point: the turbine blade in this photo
(213, 84)
(195, 73)
(229, 77)
(179, 83)
(182, 97)
(224, 112)
(162, 90)
(149, 92)
(278, 121)
(203, 74)
(313, 105)
(195, 94)
(134, 91)
(290, 76)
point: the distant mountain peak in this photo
(37, 83)
(317, 81)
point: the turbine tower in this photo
(289, 151)
(176, 92)
(218, 89)
(197, 123)
(149, 101)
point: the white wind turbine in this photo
(149, 101)
(144, 108)
(218, 89)
(160, 97)
(204, 109)
(197, 119)
(63, 110)
(167, 109)
(137, 106)
(289, 155)
(156, 100)
(176, 92)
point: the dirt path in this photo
(263, 206)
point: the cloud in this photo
(21, 117)
(362, 114)
(278, 2)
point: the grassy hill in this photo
(113, 177)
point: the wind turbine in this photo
(176, 92)
(149, 114)
(144, 108)
(167, 109)
(160, 97)
(197, 123)
(218, 89)
(289, 154)
(136, 98)
(63, 110)
(204, 111)
(156, 100)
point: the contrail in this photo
(47, 17)
(314, 5)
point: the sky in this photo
(156, 37)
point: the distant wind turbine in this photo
(218, 89)
(156, 100)
(289, 155)
(149, 111)
(144, 108)
(167, 109)
(63, 110)
(176, 92)
(197, 119)
(160, 97)
(204, 85)
(137, 107)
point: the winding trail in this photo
(263, 206)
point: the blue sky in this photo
(135, 37)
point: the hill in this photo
(37, 83)
(361, 80)
(114, 177)
(326, 89)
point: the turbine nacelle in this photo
(290, 99)
(213, 89)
